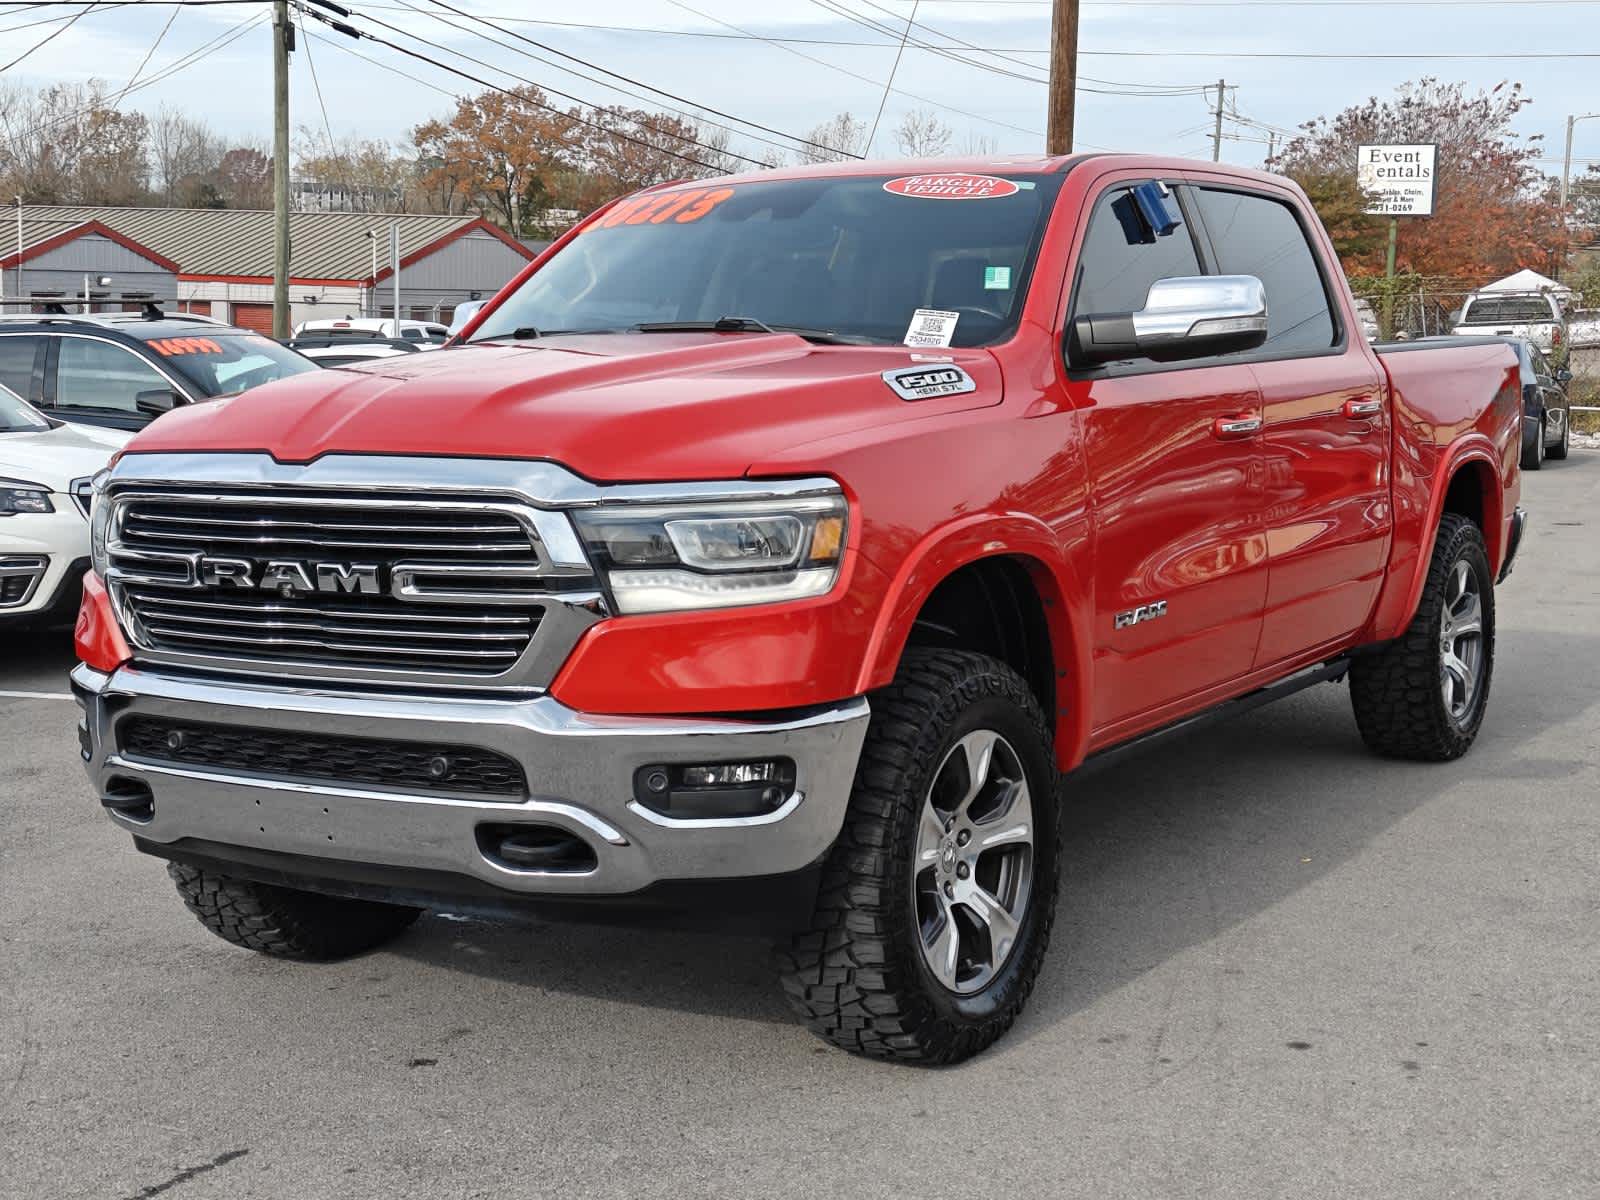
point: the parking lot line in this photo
(5, 695)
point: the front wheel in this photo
(937, 899)
(285, 922)
(1423, 696)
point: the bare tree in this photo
(184, 153)
(838, 138)
(362, 175)
(979, 145)
(67, 144)
(921, 134)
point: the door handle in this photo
(1241, 426)
(1361, 410)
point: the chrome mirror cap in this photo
(1185, 317)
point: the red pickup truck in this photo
(791, 538)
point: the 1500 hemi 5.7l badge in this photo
(924, 383)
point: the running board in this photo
(1328, 672)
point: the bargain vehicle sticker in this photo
(176, 347)
(952, 187)
(931, 327)
(661, 208)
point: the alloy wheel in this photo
(1461, 648)
(973, 873)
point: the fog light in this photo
(707, 791)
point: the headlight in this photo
(662, 558)
(99, 522)
(19, 497)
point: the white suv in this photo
(426, 334)
(45, 469)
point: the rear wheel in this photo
(1423, 696)
(284, 922)
(1558, 452)
(937, 900)
(1533, 455)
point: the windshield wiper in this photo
(825, 337)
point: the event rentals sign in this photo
(1398, 181)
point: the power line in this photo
(47, 39)
(149, 54)
(352, 32)
(682, 138)
(822, 62)
(692, 116)
(943, 52)
(316, 86)
(628, 79)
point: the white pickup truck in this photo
(1534, 316)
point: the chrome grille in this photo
(450, 588)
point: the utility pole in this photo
(282, 43)
(1063, 76)
(1566, 174)
(394, 266)
(1216, 138)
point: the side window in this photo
(1254, 235)
(1122, 256)
(92, 374)
(17, 358)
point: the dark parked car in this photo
(122, 371)
(1546, 431)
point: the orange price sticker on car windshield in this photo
(176, 347)
(665, 208)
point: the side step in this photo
(1328, 672)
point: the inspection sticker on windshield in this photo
(997, 279)
(931, 327)
(952, 187)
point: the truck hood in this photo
(618, 407)
(53, 458)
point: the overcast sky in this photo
(1134, 44)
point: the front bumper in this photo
(49, 550)
(580, 771)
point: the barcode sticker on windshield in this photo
(931, 327)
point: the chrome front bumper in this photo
(580, 772)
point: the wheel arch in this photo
(1468, 482)
(1001, 587)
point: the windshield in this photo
(221, 364)
(17, 416)
(1507, 310)
(866, 259)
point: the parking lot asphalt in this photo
(1282, 968)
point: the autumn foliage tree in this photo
(1493, 210)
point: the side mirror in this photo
(1182, 318)
(1564, 375)
(156, 401)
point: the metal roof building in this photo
(219, 261)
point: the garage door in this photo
(201, 308)
(254, 316)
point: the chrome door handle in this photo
(1359, 410)
(1235, 427)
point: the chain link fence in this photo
(1427, 307)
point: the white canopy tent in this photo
(1527, 280)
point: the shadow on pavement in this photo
(1165, 851)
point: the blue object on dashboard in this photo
(1156, 207)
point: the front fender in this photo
(961, 542)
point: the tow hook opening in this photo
(541, 848)
(129, 797)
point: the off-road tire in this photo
(858, 976)
(1396, 692)
(284, 922)
(1558, 452)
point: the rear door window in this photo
(19, 356)
(101, 375)
(1252, 234)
